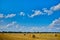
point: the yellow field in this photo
(29, 36)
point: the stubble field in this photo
(29, 36)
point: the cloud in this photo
(11, 24)
(14, 26)
(37, 29)
(1, 15)
(32, 29)
(46, 11)
(55, 24)
(22, 14)
(58, 28)
(36, 13)
(52, 9)
(56, 7)
(10, 15)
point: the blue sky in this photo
(30, 15)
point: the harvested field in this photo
(29, 36)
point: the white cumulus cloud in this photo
(10, 15)
(11, 24)
(55, 24)
(56, 7)
(36, 13)
(52, 9)
(46, 11)
(22, 14)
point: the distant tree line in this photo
(26, 32)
